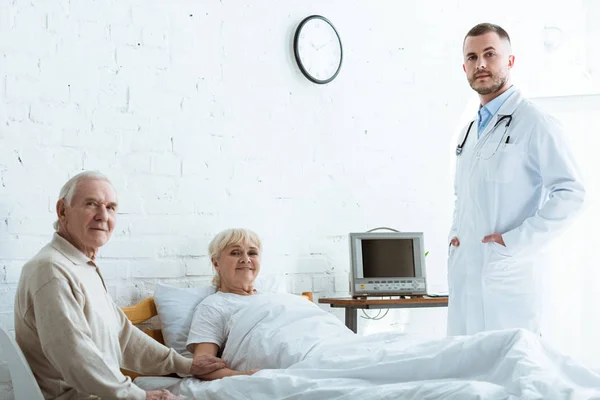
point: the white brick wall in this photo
(198, 113)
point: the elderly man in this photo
(73, 335)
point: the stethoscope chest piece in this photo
(459, 148)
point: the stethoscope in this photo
(459, 148)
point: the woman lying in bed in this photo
(302, 350)
(235, 255)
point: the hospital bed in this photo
(307, 354)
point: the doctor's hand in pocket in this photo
(454, 242)
(494, 237)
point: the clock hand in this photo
(320, 47)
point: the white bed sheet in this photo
(149, 383)
(305, 353)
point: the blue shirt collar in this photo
(493, 106)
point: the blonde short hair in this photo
(226, 238)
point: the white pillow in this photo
(176, 307)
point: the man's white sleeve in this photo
(141, 353)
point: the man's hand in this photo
(161, 395)
(494, 237)
(455, 242)
(205, 364)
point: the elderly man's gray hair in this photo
(70, 188)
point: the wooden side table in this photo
(352, 305)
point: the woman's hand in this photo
(251, 372)
(208, 367)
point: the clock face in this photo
(318, 49)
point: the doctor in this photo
(516, 188)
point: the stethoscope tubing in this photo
(459, 148)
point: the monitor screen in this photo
(382, 258)
(387, 263)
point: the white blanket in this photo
(306, 353)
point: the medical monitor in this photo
(387, 264)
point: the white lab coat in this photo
(526, 190)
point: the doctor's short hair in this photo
(67, 192)
(486, 27)
(226, 238)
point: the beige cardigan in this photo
(74, 336)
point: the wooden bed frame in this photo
(146, 309)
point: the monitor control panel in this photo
(390, 286)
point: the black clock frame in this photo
(297, 53)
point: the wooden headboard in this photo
(142, 312)
(146, 309)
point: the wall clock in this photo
(318, 49)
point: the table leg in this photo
(351, 318)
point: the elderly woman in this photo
(235, 255)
